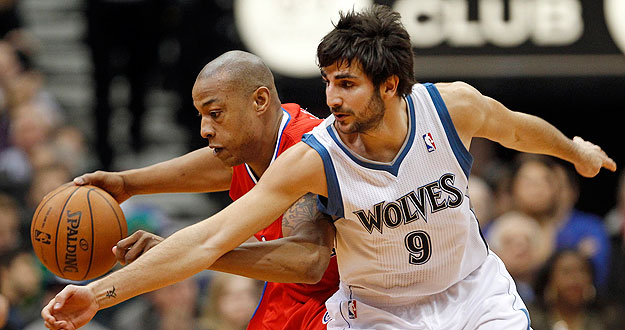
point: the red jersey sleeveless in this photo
(287, 306)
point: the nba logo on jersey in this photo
(429, 142)
(351, 309)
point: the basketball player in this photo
(392, 164)
(247, 128)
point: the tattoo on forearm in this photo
(111, 293)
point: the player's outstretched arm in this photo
(301, 256)
(298, 171)
(197, 171)
(475, 115)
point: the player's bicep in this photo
(476, 115)
(500, 124)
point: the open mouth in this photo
(217, 150)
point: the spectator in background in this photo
(123, 36)
(493, 171)
(27, 117)
(20, 278)
(534, 188)
(4, 310)
(566, 295)
(230, 303)
(579, 230)
(518, 240)
(174, 307)
(70, 148)
(482, 201)
(545, 190)
(45, 180)
(9, 70)
(10, 236)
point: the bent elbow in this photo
(316, 265)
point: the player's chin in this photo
(346, 128)
(228, 159)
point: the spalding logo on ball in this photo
(74, 229)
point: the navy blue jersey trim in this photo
(529, 321)
(460, 151)
(479, 227)
(393, 168)
(333, 205)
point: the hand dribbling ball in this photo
(74, 229)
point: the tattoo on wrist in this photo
(111, 293)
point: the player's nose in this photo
(332, 98)
(206, 129)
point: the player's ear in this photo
(261, 98)
(388, 88)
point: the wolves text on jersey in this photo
(412, 206)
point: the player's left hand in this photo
(593, 158)
(70, 309)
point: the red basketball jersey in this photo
(287, 305)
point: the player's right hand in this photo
(111, 182)
(593, 158)
(70, 309)
(133, 246)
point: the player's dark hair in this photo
(376, 38)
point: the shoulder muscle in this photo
(467, 108)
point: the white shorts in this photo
(486, 299)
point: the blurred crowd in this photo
(567, 264)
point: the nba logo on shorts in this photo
(429, 142)
(351, 309)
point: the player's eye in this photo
(347, 83)
(214, 114)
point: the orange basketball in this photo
(74, 229)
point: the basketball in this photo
(73, 230)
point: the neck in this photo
(383, 142)
(266, 145)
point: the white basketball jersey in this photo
(405, 228)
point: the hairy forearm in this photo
(193, 172)
(285, 260)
